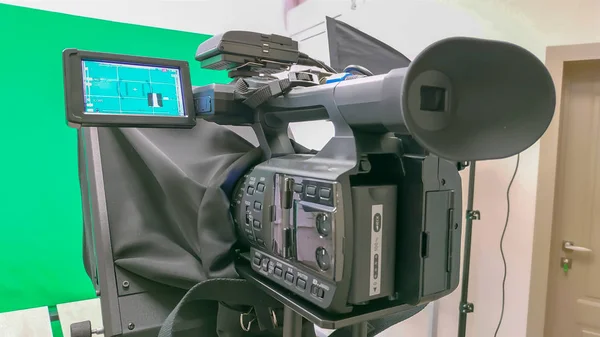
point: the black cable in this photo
(315, 62)
(502, 242)
(358, 69)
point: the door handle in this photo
(569, 246)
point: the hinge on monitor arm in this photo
(473, 215)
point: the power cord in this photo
(502, 242)
(304, 59)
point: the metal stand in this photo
(465, 306)
(360, 330)
(292, 325)
(295, 311)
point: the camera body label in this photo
(376, 243)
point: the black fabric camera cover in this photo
(167, 200)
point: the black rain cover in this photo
(167, 204)
(348, 45)
(167, 200)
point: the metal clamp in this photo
(274, 317)
(461, 165)
(467, 307)
(303, 79)
(246, 327)
(473, 215)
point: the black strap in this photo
(231, 291)
(255, 97)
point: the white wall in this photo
(409, 26)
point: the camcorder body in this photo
(299, 215)
(373, 219)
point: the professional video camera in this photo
(370, 224)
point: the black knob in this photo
(81, 329)
(324, 224)
(323, 258)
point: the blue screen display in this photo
(112, 88)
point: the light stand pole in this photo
(465, 306)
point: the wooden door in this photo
(573, 306)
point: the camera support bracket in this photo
(467, 307)
(295, 310)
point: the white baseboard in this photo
(26, 323)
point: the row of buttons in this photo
(256, 224)
(266, 265)
(260, 188)
(289, 277)
(311, 191)
(251, 237)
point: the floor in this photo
(36, 322)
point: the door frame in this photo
(556, 58)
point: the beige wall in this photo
(549, 23)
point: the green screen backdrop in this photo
(40, 207)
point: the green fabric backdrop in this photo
(40, 207)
